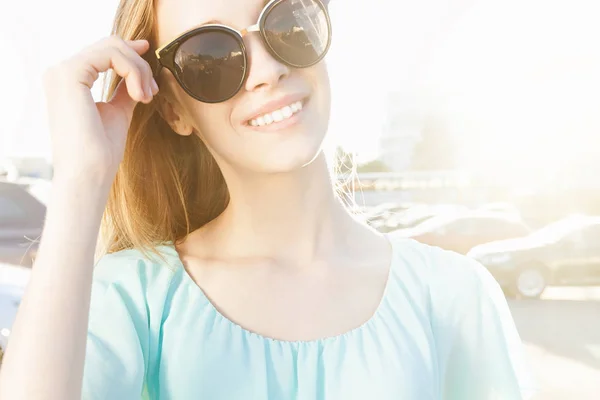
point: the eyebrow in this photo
(216, 21)
(212, 21)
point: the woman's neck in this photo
(294, 217)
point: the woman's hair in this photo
(167, 185)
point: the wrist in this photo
(79, 197)
(73, 215)
(80, 180)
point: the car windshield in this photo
(557, 230)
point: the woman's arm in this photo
(47, 346)
(45, 357)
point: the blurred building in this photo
(33, 167)
(401, 132)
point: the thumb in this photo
(122, 100)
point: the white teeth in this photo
(277, 115)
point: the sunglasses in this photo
(211, 62)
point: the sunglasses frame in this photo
(165, 55)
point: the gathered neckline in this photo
(319, 341)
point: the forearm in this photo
(47, 347)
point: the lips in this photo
(278, 115)
(276, 110)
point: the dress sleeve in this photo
(481, 353)
(118, 334)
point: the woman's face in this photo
(226, 128)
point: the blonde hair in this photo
(167, 185)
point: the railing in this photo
(462, 179)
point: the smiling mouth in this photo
(278, 115)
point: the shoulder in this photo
(129, 291)
(140, 281)
(433, 265)
(131, 267)
(132, 286)
(447, 280)
(479, 351)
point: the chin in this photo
(275, 162)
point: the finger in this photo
(132, 74)
(103, 59)
(139, 46)
(147, 75)
(123, 100)
(133, 50)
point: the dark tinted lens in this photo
(211, 65)
(298, 31)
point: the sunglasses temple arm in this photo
(157, 70)
(253, 28)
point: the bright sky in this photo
(517, 71)
(359, 81)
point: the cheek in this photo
(322, 73)
(212, 123)
(322, 85)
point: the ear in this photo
(174, 117)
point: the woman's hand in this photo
(88, 138)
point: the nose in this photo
(265, 72)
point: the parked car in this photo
(566, 252)
(462, 231)
(378, 216)
(415, 215)
(13, 281)
(507, 208)
(10, 298)
(21, 221)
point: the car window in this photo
(10, 211)
(588, 236)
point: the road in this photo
(561, 333)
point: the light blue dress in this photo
(442, 331)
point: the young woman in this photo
(234, 271)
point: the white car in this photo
(13, 281)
